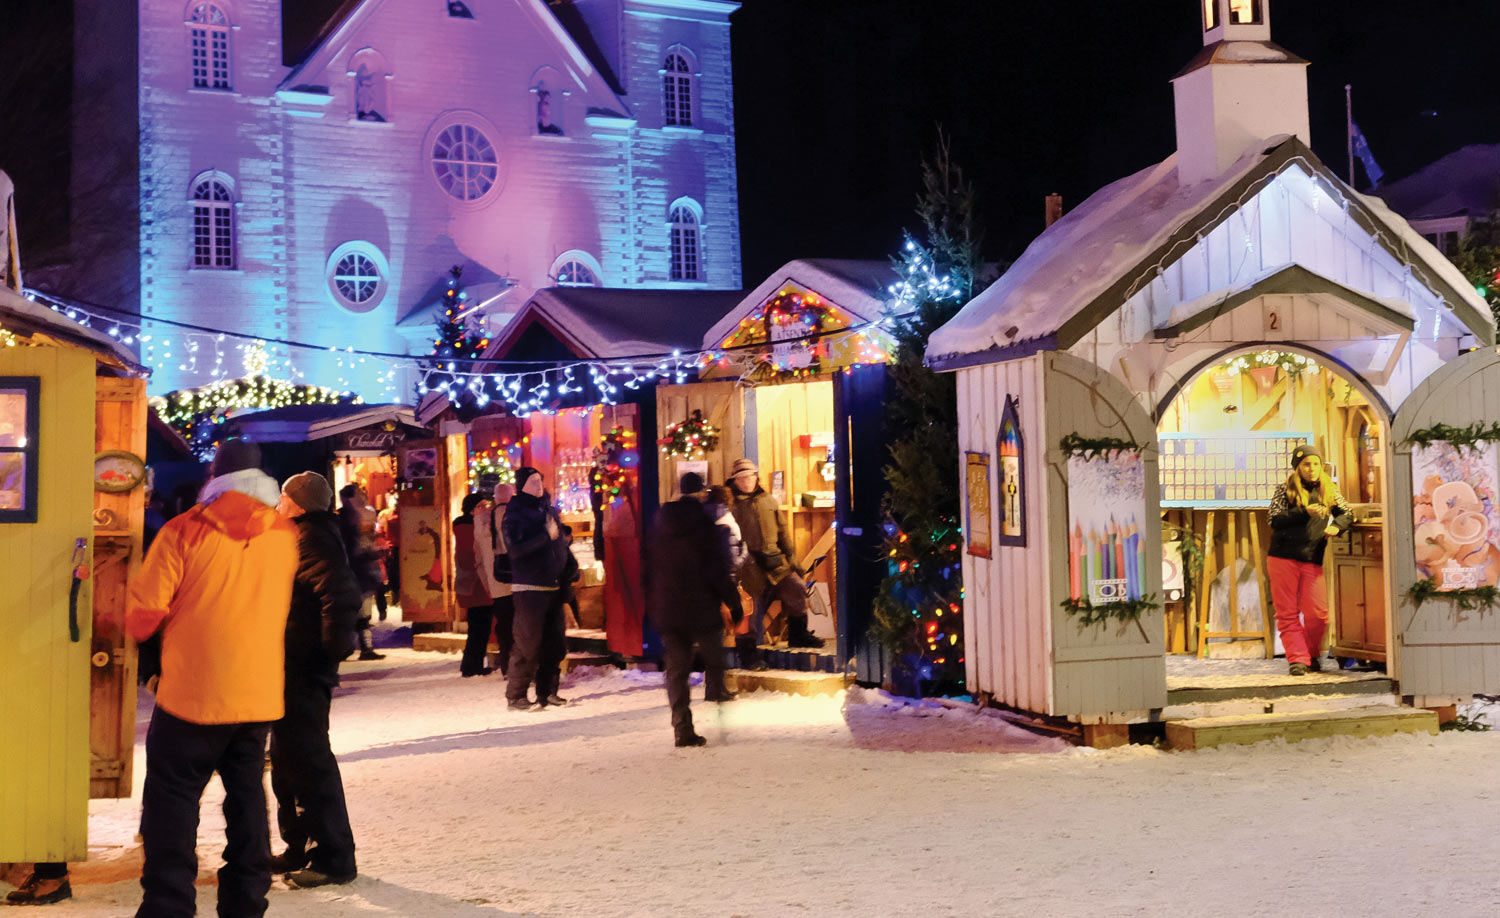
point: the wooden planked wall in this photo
(44, 676)
(1007, 628)
(722, 404)
(1439, 651)
(119, 518)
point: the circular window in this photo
(464, 162)
(356, 276)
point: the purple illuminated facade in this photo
(322, 195)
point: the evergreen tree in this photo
(1479, 258)
(918, 608)
(450, 366)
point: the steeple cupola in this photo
(1235, 20)
(1238, 91)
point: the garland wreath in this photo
(1083, 609)
(1478, 599)
(1095, 447)
(807, 314)
(615, 455)
(492, 463)
(1463, 437)
(1127, 611)
(690, 439)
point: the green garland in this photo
(1479, 599)
(690, 439)
(1091, 447)
(1128, 611)
(1464, 437)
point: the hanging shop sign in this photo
(977, 504)
(371, 440)
(1456, 524)
(1106, 542)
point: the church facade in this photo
(321, 194)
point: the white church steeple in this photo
(1240, 90)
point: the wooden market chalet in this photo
(1205, 315)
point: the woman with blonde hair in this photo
(1305, 511)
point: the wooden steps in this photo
(792, 683)
(1371, 720)
(440, 642)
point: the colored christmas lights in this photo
(692, 438)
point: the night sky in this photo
(837, 100)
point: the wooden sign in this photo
(977, 503)
(1012, 483)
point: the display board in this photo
(1224, 470)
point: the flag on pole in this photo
(1362, 150)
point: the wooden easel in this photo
(1237, 546)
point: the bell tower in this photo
(1240, 90)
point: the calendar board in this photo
(1224, 470)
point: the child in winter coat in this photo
(719, 504)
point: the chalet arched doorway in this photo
(1226, 433)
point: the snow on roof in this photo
(857, 286)
(1466, 182)
(1418, 246)
(21, 313)
(613, 323)
(297, 423)
(1117, 230)
(1079, 257)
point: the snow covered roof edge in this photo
(1081, 269)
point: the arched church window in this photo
(213, 222)
(677, 88)
(684, 226)
(208, 40)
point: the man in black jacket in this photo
(687, 578)
(326, 600)
(538, 551)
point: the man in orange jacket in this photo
(217, 585)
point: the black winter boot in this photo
(797, 634)
(749, 654)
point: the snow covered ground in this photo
(849, 806)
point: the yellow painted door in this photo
(44, 672)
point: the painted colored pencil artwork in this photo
(1106, 542)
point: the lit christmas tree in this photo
(450, 368)
(918, 611)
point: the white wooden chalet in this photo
(1239, 239)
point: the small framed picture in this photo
(778, 487)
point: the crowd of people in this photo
(514, 573)
(257, 593)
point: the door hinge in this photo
(106, 768)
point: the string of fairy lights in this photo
(795, 348)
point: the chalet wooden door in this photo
(1100, 671)
(46, 424)
(1443, 651)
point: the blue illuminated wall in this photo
(310, 177)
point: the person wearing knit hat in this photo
(771, 574)
(538, 552)
(1305, 511)
(309, 491)
(311, 813)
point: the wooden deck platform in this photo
(1372, 720)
